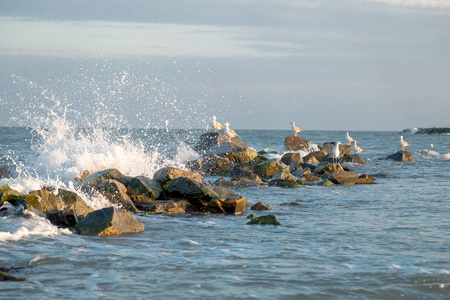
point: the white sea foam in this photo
(21, 224)
(434, 154)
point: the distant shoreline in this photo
(431, 130)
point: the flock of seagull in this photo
(334, 153)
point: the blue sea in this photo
(390, 240)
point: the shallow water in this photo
(384, 241)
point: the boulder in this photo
(401, 156)
(291, 157)
(316, 156)
(227, 205)
(309, 178)
(284, 174)
(327, 183)
(343, 149)
(175, 206)
(240, 155)
(99, 177)
(261, 206)
(116, 193)
(300, 173)
(224, 192)
(226, 183)
(198, 194)
(45, 201)
(291, 204)
(216, 165)
(244, 170)
(284, 183)
(165, 175)
(210, 139)
(268, 168)
(194, 165)
(264, 220)
(355, 158)
(295, 143)
(66, 218)
(245, 182)
(143, 189)
(366, 179)
(343, 177)
(327, 167)
(73, 202)
(109, 221)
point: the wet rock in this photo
(355, 158)
(315, 157)
(295, 143)
(244, 170)
(224, 192)
(74, 202)
(116, 193)
(143, 189)
(327, 167)
(7, 277)
(240, 156)
(261, 206)
(99, 177)
(66, 218)
(366, 179)
(210, 139)
(227, 205)
(244, 182)
(301, 173)
(45, 201)
(194, 165)
(198, 193)
(310, 158)
(291, 157)
(175, 206)
(109, 221)
(226, 183)
(284, 183)
(343, 177)
(401, 156)
(343, 149)
(310, 178)
(327, 183)
(264, 220)
(284, 174)
(165, 175)
(291, 204)
(268, 168)
(215, 165)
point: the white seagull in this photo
(403, 143)
(357, 149)
(334, 153)
(349, 139)
(216, 125)
(295, 128)
(229, 132)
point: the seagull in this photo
(349, 139)
(334, 153)
(230, 132)
(216, 125)
(357, 149)
(295, 128)
(403, 143)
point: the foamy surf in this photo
(434, 154)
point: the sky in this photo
(324, 64)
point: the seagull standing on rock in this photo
(403, 143)
(357, 149)
(229, 132)
(295, 128)
(216, 125)
(349, 139)
(334, 153)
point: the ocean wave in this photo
(434, 154)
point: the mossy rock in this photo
(268, 169)
(264, 220)
(327, 183)
(291, 204)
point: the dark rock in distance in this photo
(401, 156)
(264, 220)
(284, 183)
(260, 206)
(343, 177)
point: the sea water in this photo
(385, 241)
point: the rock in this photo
(66, 218)
(309, 178)
(284, 174)
(244, 182)
(215, 165)
(264, 220)
(165, 175)
(210, 139)
(284, 183)
(194, 165)
(343, 149)
(109, 221)
(244, 170)
(228, 205)
(401, 156)
(267, 168)
(327, 183)
(226, 183)
(343, 177)
(6, 277)
(291, 157)
(116, 193)
(291, 204)
(295, 166)
(99, 177)
(327, 167)
(240, 156)
(224, 192)
(355, 158)
(300, 173)
(143, 189)
(198, 194)
(45, 201)
(366, 179)
(74, 202)
(260, 206)
(175, 206)
(309, 166)
(7, 194)
(315, 157)
(295, 143)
